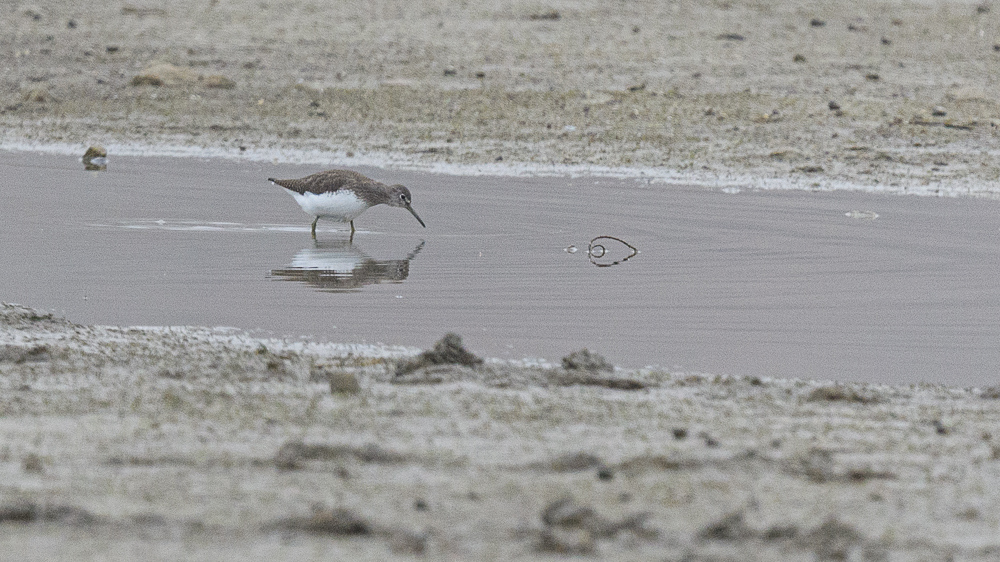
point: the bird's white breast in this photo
(340, 205)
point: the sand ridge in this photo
(212, 442)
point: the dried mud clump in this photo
(23, 354)
(991, 393)
(586, 360)
(220, 82)
(551, 15)
(30, 512)
(327, 521)
(834, 540)
(586, 368)
(447, 351)
(293, 454)
(17, 316)
(341, 382)
(571, 528)
(841, 393)
(166, 74)
(343, 522)
(732, 527)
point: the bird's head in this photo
(399, 196)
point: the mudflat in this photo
(897, 96)
(212, 445)
(208, 444)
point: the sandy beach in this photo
(208, 444)
(895, 96)
(204, 443)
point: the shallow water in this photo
(786, 284)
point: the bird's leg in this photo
(314, 227)
(352, 229)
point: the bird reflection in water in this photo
(340, 266)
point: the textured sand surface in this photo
(121, 443)
(899, 96)
(207, 444)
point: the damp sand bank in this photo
(893, 96)
(219, 446)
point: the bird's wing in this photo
(322, 182)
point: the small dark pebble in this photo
(32, 463)
(71, 24)
(817, 22)
(799, 58)
(480, 75)
(450, 72)
(552, 15)
(329, 521)
(872, 76)
(834, 106)
(94, 151)
(635, 29)
(731, 527)
(730, 37)
(112, 48)
(886, 41)
(809, 169)
(420, 505)
(941, 428)
(605, 474)
(680, 433)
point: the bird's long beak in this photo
(410, 209)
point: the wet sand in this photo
(841, 285)
(202, 444)
(896, 96)
(212, 444)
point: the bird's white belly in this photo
(339, 205)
